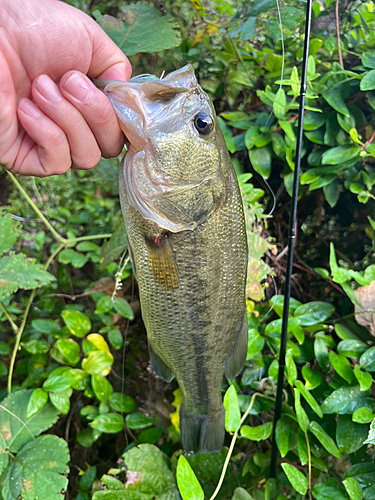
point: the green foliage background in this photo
(80, 393)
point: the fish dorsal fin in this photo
(163, 264)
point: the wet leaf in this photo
(109, 422)
(350, 435)
(122, 403)
(296, 478)
(97, 362)
(353, 488)
(364, 378)
(363, 416)
(260, 159)
(187, 482)
(257, 433)
(102, 388)
(77, 322)
(61, 399)
(41, 469)
(303, 419)
(309, 398)
(139, 421)
(141, 29)
(345, 400)
(342, 366)
(255, 343)
(232, 410)
(123, 307)
(313, 313)
(38, 399)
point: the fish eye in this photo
(203, 123)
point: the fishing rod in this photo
(291, 241)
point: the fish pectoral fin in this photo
(163, 264)
(237, 358)
(158, 365)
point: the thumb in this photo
(108, 62)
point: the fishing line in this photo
(291, 238)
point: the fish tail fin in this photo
(202, 433)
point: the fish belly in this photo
(195, 316)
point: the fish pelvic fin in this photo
(158, 365)
(236, 359)
(202, 433)
(163, 263)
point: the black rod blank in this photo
(291, 240)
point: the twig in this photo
(234, 439)
(23, 324)
(369, 141)
(36, 209)
(75, 297)
(309, 458)
(12, 324)
(338, 35)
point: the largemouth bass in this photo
(186, 234)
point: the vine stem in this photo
(89, 237)
(24, 319)
(234, 439)
(309, 455)
(12, 324)
(56, 235)
(338, 35)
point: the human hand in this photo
(46, 49)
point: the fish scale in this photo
(188, 245)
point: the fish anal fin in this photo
(236, 359)
(163, 264)
(158, 365)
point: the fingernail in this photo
(48, 88)
(29, 108)
(78, 87)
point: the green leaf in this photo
(342, 366)
(324, 439)
(353, 488)
(340, 154)
(187, 482)
(115, 337)
(279, 104)
(57, 382)
(367, 360)
(9, 232)
(232, 410)
(291, 368)
(363, 416)
(77, 322)
(102, 388)
(116, 245)
(364, 378)
(139, 421)
(303, 419)
(344, 333)
(321, 353)
(109, 423)
(150, 435)
(141, 29)
(313, 121)
(257, 433)
(309, 398)
(332, 193)
(255, 343)
(122, 403)
(324, 492)
(371, 435)
(302, 447)
(39, 471)
(70, 350)
(349, 435)
(260, 159)
(313, 313)
(352, 348)
(104, 305)
(38, 399)
(61, 399)
(368, 81)
(241, 494)
(336, 101)
(345, 400)
(97, 361)
(17, 429)
(363, 472)
(283, 437)
(296, 478)
(19, 271)
(151, 471)
(123, 307)
(313, 378)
